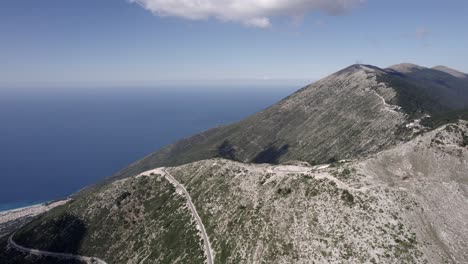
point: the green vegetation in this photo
(312, 191)
(411, 97)
(226, 150)
(347, 197)
(465, 140)
(271, 155)
(121, 197)
(446, 117)
(284, 191)
(344, 174)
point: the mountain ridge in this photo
(443, 84)
(354, 97)
(451, 71)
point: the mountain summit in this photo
(357, 111)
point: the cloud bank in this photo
(257, 13)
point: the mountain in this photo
(355, 112)
(139, 218)
(450, 71)
(367, 165)
(407, 204)
(447, 85)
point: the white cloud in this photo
(257, 13)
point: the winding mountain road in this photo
(37, 252)
(387, 107)
(93, 260)
(178, 185)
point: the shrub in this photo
(284, 191)
(465, 140)
(346, 173)
(121, 197)
(347, 197)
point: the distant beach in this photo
(19, 205)
(11, 219)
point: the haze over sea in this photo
(54, 142)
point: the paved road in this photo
(208, 250)
(37, 252)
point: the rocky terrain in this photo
(136, 220)
(407, 204)
(364, 211)
(359, 167)
(372, 106)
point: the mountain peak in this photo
(450, 71)
(359, 67)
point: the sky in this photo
(139, 42)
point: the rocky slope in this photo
(434, 170)
(404, 205)
(371, 106)
(136, 220)
(407, 204)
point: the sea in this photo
(53, 142)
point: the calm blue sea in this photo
(53, 142)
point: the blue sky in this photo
(111, 42)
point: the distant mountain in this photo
(450, 71)
(448, 86)
(355, 112)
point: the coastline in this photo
(10, 220)
(2, 211)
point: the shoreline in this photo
(23, 207)
(10, 220)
